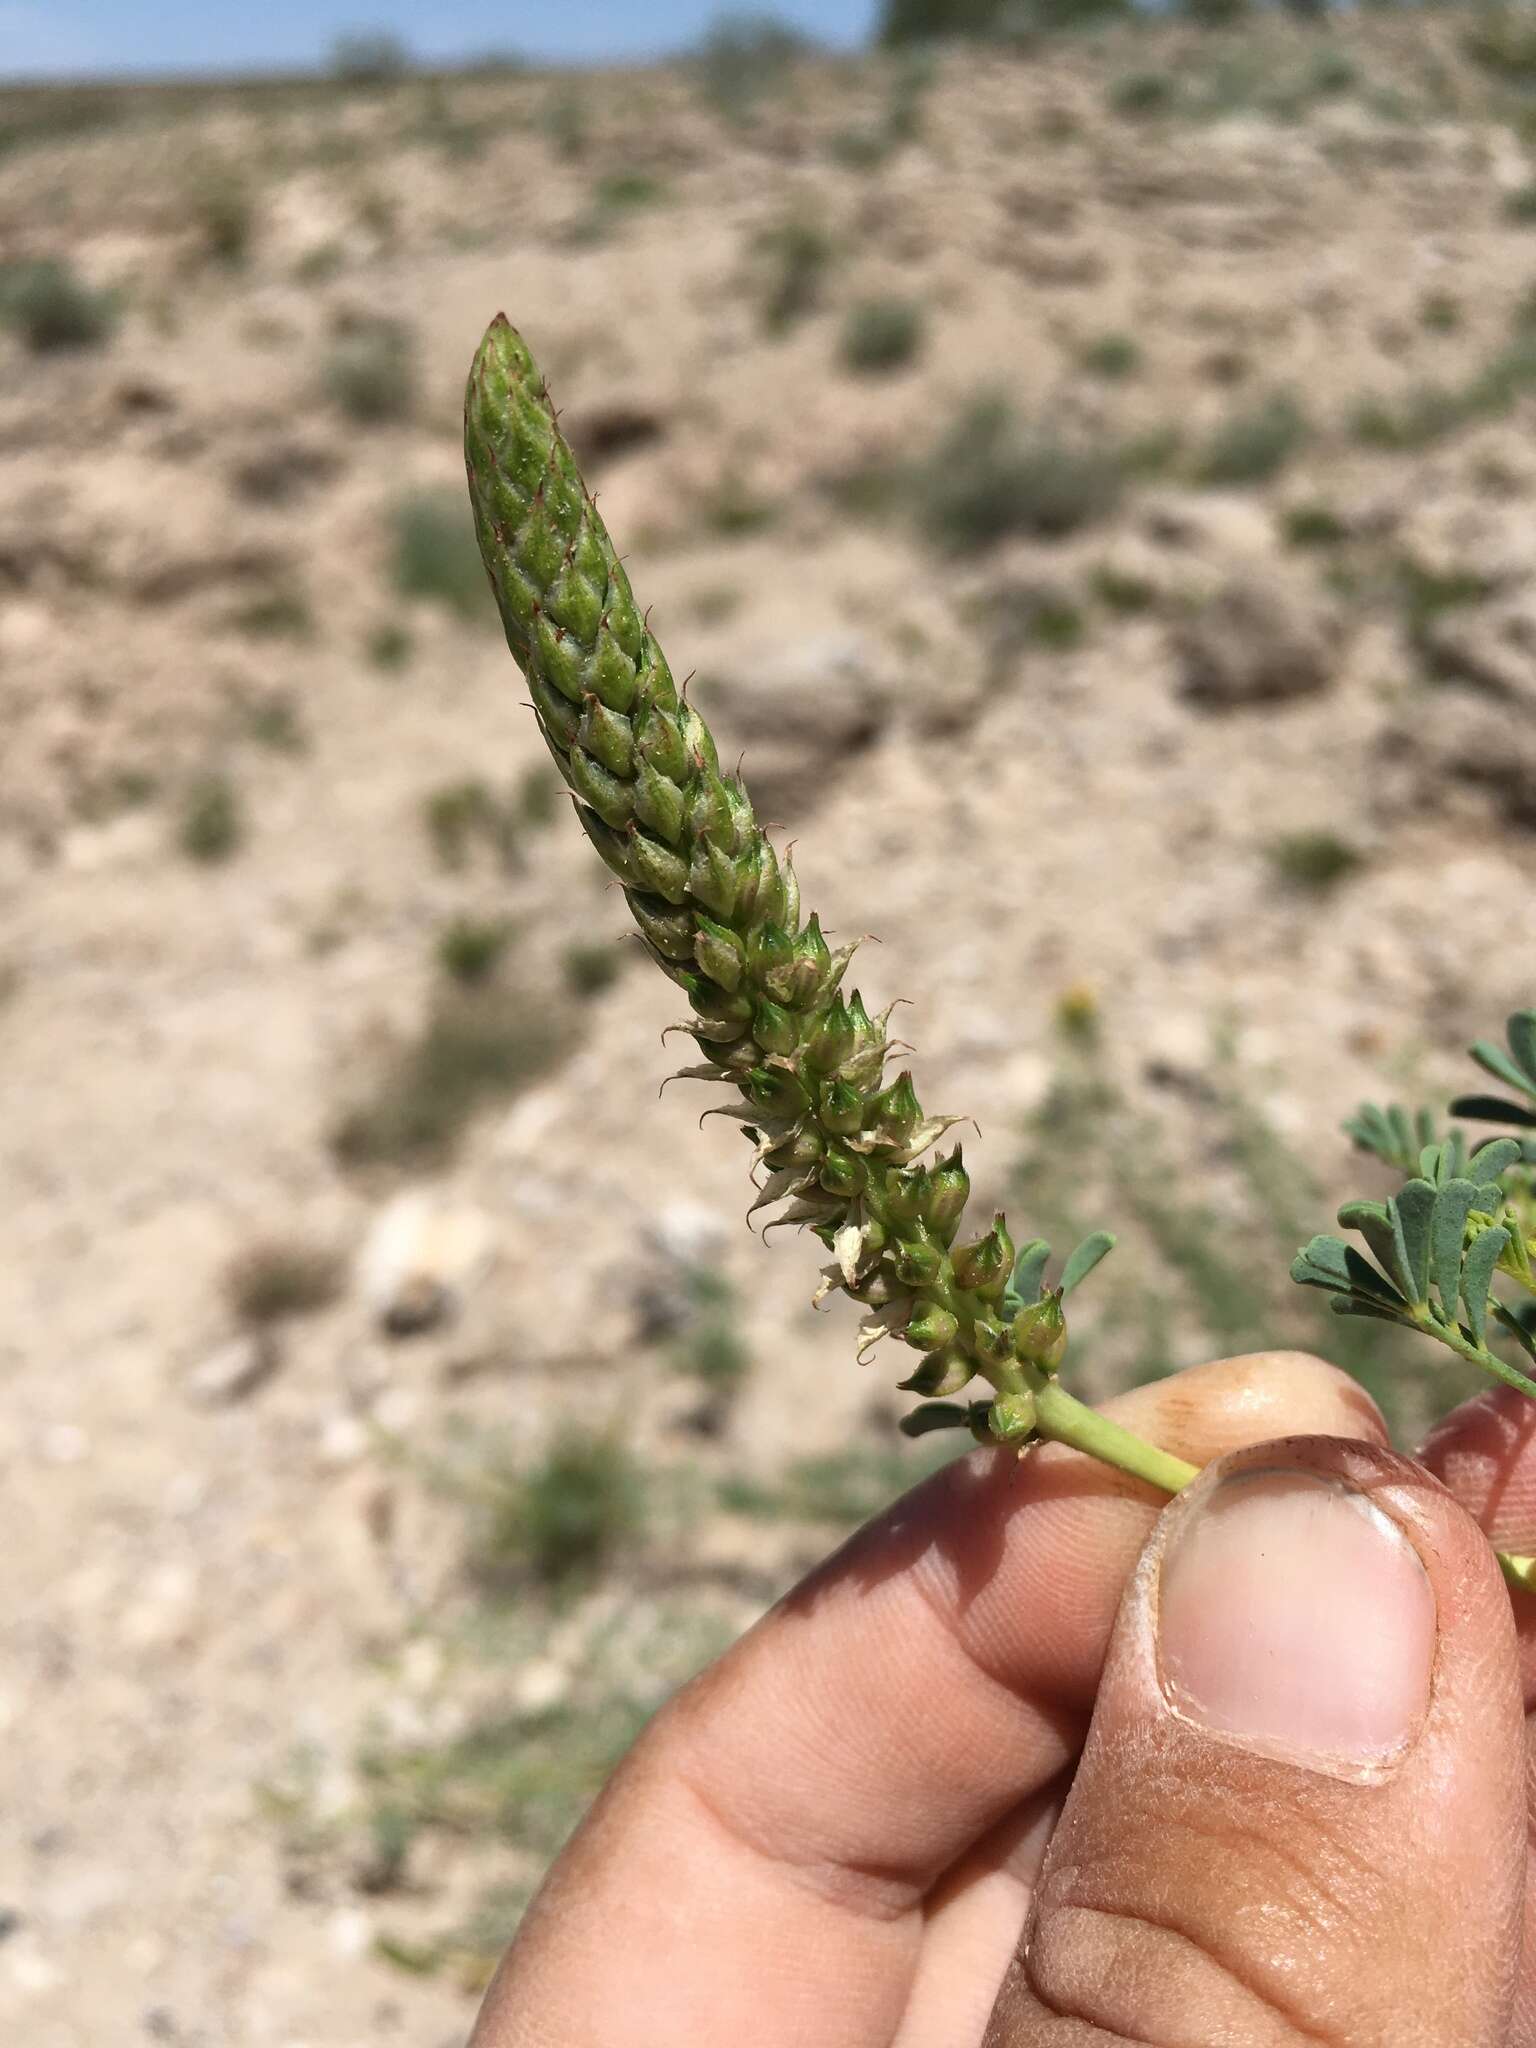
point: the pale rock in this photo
(235, 1370)
(801, 712)
(421, 1257)
(1260, 640)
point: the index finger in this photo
(764, 1851)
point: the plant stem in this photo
(1477, 1354)
(1064, 1420)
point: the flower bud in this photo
(917, 1262)
(606, 736)
(709, 810)
(944, 1372)
(669, 931)
(931, 1327)
(1011, 1418)
(657, 868)
(841, 1174)
(658, 803)
(983, 1266)
(720, 953)
(895, 1111)
(906, 1193)
(949, 1189)
(797, 983)
(842, 1108)
(831, 1039)
(1040, 1332)
(801, 1146)
(774, 1092)
(659, 740)
(774, 1029)
(993, 1341)
(612, 799)
(712, 878)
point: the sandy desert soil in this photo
(1180, 762)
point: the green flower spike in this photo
(839, 1148)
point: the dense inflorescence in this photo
(839, 1147)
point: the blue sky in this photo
(53, 38)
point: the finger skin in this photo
(1201, 1889)
(767, 1847)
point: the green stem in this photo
(1479, 1354)
(1067, 1421)
(1063, 1420)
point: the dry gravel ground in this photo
(1043, 768)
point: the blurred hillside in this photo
(1092, 485)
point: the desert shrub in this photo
(796, 256)
(469, 949)
(210, 825)
(881, 335)
(1312, 862)
(50, 308)
(1254, 443)
(390, 647)
(1111, 356)
(1312, 525)
(434, 555)
(370, 57)
(1140, 93)
(1439, 313)
(563, 1519)
(476, 1046)
(743, 55)
(279, 1277)
(223, 217)
(1502, 39)
(1122, 590)
(590, 966)
(466, 816)
(1422, 415)
(990, 476)
(370, 372)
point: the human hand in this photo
(941, 1796)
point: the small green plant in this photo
(1122, 590)
(469, 949)
(1312, 525)
(1519, 206)
(1253, 444)
(744, 56)
(432, 553)
(209, 824)
(51, 309)
(989, 476)
(796, 256)
(712, 1350)
(222, 217)
(1111, 356)
(278, 1278)
(476, 1047)
(881, 336)
(390, 647)
(282, 612)
(1440, 313)
(464, 817)
(1313, 862)
(370, 373)
(1140, 94)
(590, 967)
(839, 1147)
(564, 1519)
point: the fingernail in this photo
(1295, 1617)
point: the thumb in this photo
(1300, 1813)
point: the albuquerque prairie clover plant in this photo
(839, 1147)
